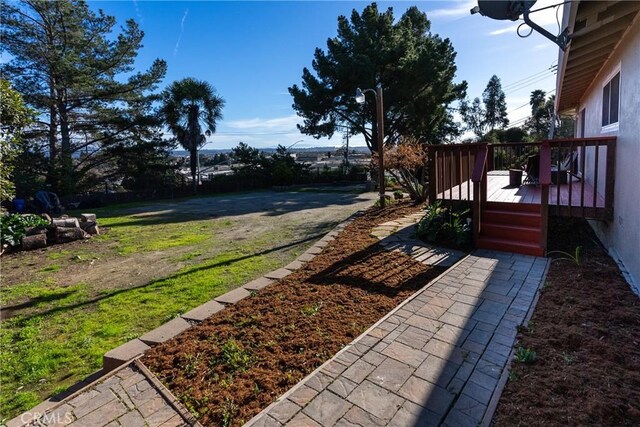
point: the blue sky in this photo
(253, 51)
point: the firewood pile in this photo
(60, 230)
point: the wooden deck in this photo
(498, 190)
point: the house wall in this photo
(622, 235)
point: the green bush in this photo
(14, 227)
(398, 194)
(525, 355)
(445, 227)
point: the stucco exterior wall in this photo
(622, 235)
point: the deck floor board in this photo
(498, 190)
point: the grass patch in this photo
(51, 268)
(44, 352)
(63, 253)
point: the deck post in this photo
(545, 180)
(610, 179)
(431, 166)
(479, 178)
(476, 211)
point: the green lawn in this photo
(61, 337)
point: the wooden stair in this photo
(511, 227)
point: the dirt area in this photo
(228, 222)
(586, 334)
(237, 362)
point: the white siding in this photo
(622, 235)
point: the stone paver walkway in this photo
(437, 359)
(128, 397)
(400, 235)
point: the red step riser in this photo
(520, 234)
(511, 218)
(510, 247)
(512, 207)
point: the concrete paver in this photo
(436, 359)
(128, 397)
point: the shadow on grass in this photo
(183, 273)
(12, 310)
(268, 203)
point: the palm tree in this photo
(188, 106)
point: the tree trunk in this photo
(34, 242)
(66, 160)
(53, 149)
(193, 135)
(193, 163)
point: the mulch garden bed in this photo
(234, 364)
(586, 333)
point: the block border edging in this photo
(328, 237)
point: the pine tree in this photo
(474, 116)
(68, 63)
(414, 67)
(495, 105)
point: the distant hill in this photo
(183, 153)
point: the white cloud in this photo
(457, 10)
(268, 133)
(138, 14)
(184, 17)
(283, 124)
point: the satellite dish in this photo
(512, 9)
(504, 9)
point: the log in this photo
(32, 231)
(87, 224)
(35, 241)
(88, 217)
(69, 234)
(93, 230)
(90, 227)
(66, 222)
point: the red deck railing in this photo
(579, 171)
(575, 177)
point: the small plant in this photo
(229, 411)
(311, 310)
(566, 256)
(568, 358)
(513, 376)
(14, 227)
(191, 363)
(525, 355)
(398, 194)
(235, 356)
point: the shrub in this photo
(14, 227)
(525, 355)
(398, 194)
(445, 227)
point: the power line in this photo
(532, 82)
(528, 102)
(516, 83)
